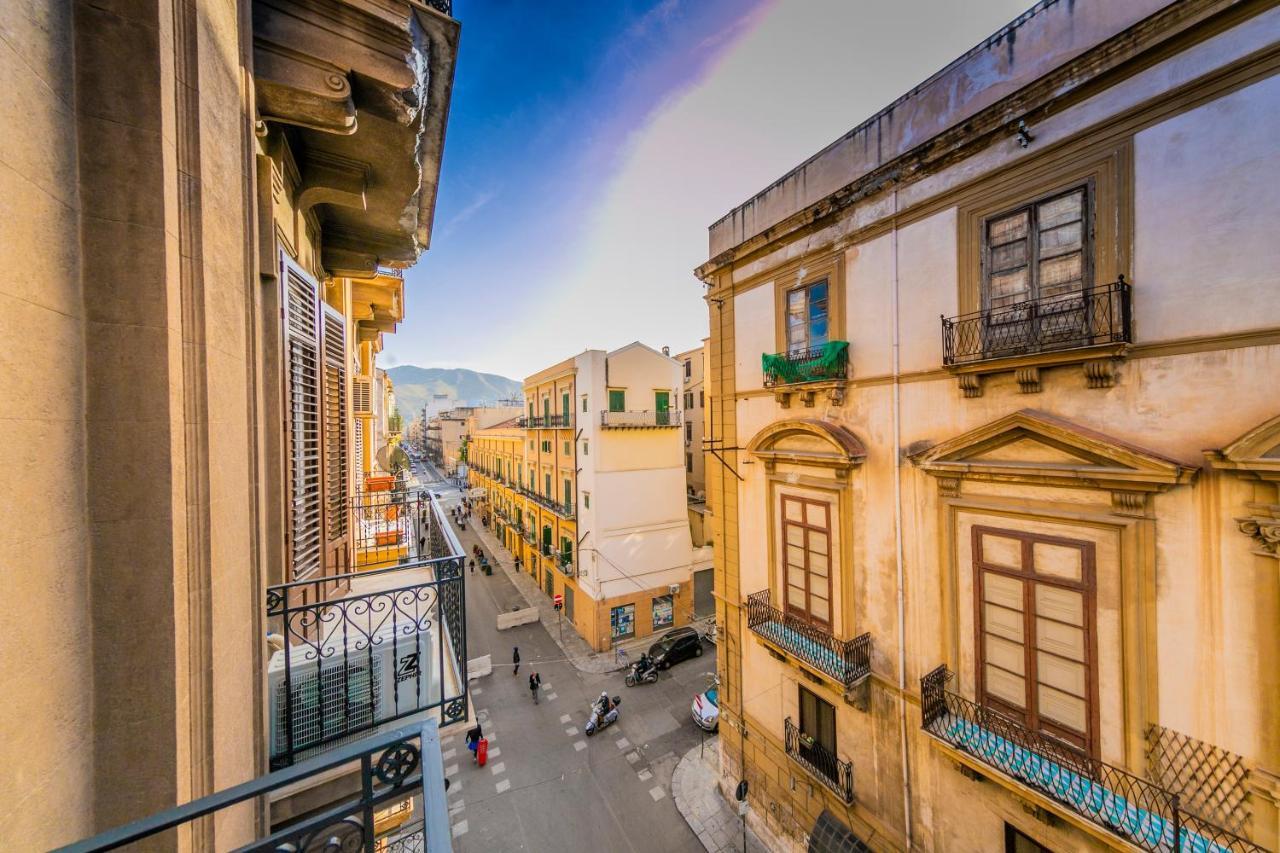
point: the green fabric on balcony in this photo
(786, 369)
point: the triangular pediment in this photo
(1032, 446)
(1256, 452)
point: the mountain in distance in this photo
(415, 385)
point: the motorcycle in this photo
(642, 672)
(595, 723)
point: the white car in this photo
(706, 709)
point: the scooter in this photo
(595, 723)
(642, 672)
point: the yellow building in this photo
(595, 500)
(200, 195)
(1009, 581)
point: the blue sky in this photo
(591, 144)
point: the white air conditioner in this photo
(392, 676)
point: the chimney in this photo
(666, 350)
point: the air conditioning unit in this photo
(341, 697)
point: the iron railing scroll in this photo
(395, 766)
(392, 647)
(1132, 808)
(821, 762)
(1081, 318)
(847, 661)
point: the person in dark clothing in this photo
(535, 681)
(473, 739)
(515, 660)
(473, 566)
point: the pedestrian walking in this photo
(473, 566)
(535, 681)
(473, 739)
(515, 660)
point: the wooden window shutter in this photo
(302, 382)
(336, 464)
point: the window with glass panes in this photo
(1036, 633)
(1038, 252)
(807, 316)
(806, 557)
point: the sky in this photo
(590, 145)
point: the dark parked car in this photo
(675, 646)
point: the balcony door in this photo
(817, 733)
(1036, 633)
(806, 560)
(662, 407)
(808, 316)
(1035, 273)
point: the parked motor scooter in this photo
(595, 723)
(642, 672)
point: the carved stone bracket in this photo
(970, 384)
(1028, 379)
(949, 487)
(858, 694)
(1100, 372)
(1129, 503)
(783, 398)
(331, 179)
(295, 88)
(1264, 528)
(807, 398)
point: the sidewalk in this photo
(695, 789)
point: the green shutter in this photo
(617, 400)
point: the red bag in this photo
(482, 751)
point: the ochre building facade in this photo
(995, 440)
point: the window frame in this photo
(810, 724)
(653, 612)
(1087, 586)
(806, 288)
(622, 398)
(1032, 261)
(614, 621)
(806, 614)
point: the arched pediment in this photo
(1257, 452)
(807, 441)
(1031, 446)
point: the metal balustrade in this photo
(827, 362)
(847, 661)
(564, 510)
(823, 764)
(395, 766)
(1083, 318)
(1134, 809)
(393, 646)
(546, 422)
(642, 420)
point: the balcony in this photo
(1129, 807)
(399, 767)
(1091, 326)
(641, 420)
(820, 762)
(846, 661)
(389, 527)
(547, 422)
(565, 563)
(564, 510)
(393, 647)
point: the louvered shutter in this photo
(335, 425)
(303, 401)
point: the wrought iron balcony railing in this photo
(1128, 806)
(642, 420)
(395, 645)
(847, 661)
(1082, 318)
(565, 563)
(564, 510)
(389, 526)
(827, 362)
(395, 766)
(820, 762)
(547, 422)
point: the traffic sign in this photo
(558, 598)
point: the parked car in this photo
(675, 646)
(706, 709)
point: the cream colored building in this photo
(1009, 581)
(693, 400)
(206, 239)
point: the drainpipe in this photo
(897, 535)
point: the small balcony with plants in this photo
(820, 762)
(1136, 811)
(807, 372)
(848, 662)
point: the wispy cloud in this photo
(656, 17)
(473, 207)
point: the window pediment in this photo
(808, 441)
(1034, 447)
(1257, 452)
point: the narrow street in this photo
(547, 785)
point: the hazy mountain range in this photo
(414, 386)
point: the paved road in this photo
(547, 785)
